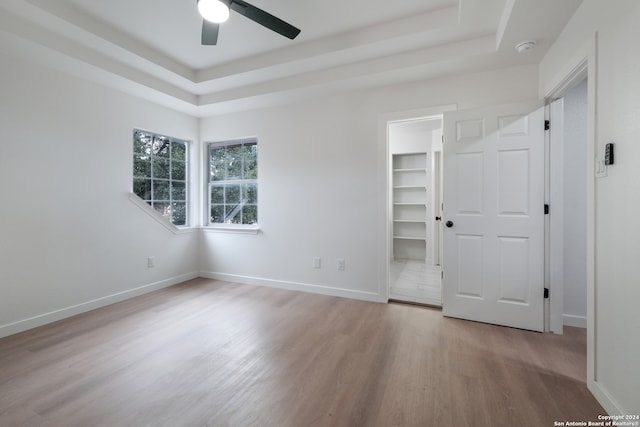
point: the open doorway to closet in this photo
(414, 149)
(568, 177)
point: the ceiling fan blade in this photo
(264, 18)
(209, 33)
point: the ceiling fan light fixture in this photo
(213, 10)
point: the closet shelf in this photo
(411, 170)
(410, 187)
(410, 237)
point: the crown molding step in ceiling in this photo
(152, 48)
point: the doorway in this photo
(414, 147)
(568, 143)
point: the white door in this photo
(493, 266)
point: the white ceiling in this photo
(151, 48)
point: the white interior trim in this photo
(54, 316)
(144, 206)
(575, 74)
(575, 321)
(295, 286)
(385, 239)
(556, 218)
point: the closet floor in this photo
(415, 281)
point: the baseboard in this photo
(576, 321)
(605, 399)
(295, 286)
(54, 316)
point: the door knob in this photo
(449, 224)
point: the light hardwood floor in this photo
(209, 353)
(415, 281)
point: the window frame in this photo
(209, 183)
(150, 202)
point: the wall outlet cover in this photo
(601, 168)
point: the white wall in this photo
(614, 338)
(322, 179)
(70, 235)
(412, 136)
(574, 145)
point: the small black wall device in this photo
(608, 154)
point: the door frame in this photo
(385, 215)
(553, 230)
(584, 66)
(437, 206)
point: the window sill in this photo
(224, 228)
(144, 206)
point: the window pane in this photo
(217, 214)
(217, 164)
(217, 194)
(179, 213)
(250, 161)
(250, 193)
(178, 191)
(161, 146)
(250, 214)
(161, 168)
(141, 143)
(178, 170)
(162, 208)
(160, 174)
(232, 213)
(161, 190)
(232, 194)
(234, 162)
(178, 151)
(233, 167)
(141, 165)
(142, 188)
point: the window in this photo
(160, 174)
(233, 184)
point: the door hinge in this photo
(546, 209)
(546, 293)
(547, 124)
(442, 138)
(442, 274)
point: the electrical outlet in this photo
(317, 262)
(340, 264)
(151, 262)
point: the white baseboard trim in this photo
(576, 321)
(605, 399)
(295, 286)
(54, 316)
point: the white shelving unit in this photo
(409, 184)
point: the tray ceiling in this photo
(151, 48)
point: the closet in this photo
(410, 206)
(414, 154)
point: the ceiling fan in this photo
(216, 12)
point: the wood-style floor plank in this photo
(210, 353)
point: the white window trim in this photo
(146, 208)
(188, 178)
(232, 228)
(223, 227)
